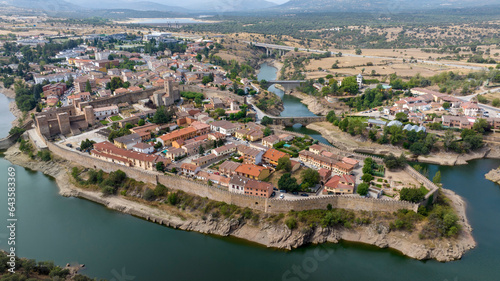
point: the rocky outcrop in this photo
(270, 235)
(493, 175)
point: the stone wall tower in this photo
(89, 114)
(42, 125)
(63, 120)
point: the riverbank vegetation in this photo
(438, 220)
(30, 269)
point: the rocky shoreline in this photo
(9, 93)
(276, 236)
(493, 175)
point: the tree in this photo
(367, 178)
(481, 126)
(160, 166)
(288, 183)
(358, 51)
(496, 102)
(392, 162)
(350, 85)
(446, 105)
(401, 116)
(331, 117)
(284, 163)
(201, 149)
(310, 177)
(87, 144)
(363, 189)
(141, 122)
(267, 132)
(207, 79)
(162, 116)
(448, 139)
(414, 195)
(266, 121)
(110, 57)
(437, 177)
(88, 88)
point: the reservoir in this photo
(113, 245)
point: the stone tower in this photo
(42, 125)
(172, 90)
(89, 114)
(63, 120)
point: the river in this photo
(122, 247)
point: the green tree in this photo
(87, 144)
(446, 105)
(160, 166)
(284, 163)
(201, 150)
(141, 122)
(331, 117)
(401, 116)
(358, 51)
(437, 177)
(310, 177)
(362, 189)
(367, 178)
(267, 132)
(414, 195)
(350, 85)
(88, 88)
(162, 116)
(288, 183)
(266, 121)
(481, 126)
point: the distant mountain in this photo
(389, 6)
(49, 6)
(129, 5)
(222, 6)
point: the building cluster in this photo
(455, 112)
(92, 69)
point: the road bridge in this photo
(288, 85)
(290, 121)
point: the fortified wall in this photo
(222, 194)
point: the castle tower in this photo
(172, 90)
(63, 120)
(89, 114)
(42, 125)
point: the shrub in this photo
(173, 198)
(291, 223)
(149, 194)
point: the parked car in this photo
(69, 145)
(295, 193)
(273, 194)
(283, 191)
(304, 194)
(282, 196)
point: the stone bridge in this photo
(304, 121)
(288, 85)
